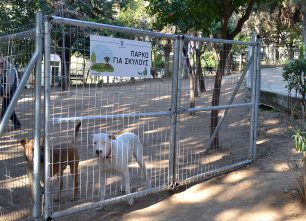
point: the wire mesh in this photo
(112, 105)
(200, 88)
(209, 76)
(15, 191)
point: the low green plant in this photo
(299, 139)
(295, 76)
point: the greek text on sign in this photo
(119, 57)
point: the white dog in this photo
(113, 154)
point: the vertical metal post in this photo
(252, 81)
(251, 49)
(36, 159)
(174, 114)
(178, 97)
(257, 94)
(47, 69)
(172, 154)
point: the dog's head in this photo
(102, 144)
(28, 146)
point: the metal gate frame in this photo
(253, 69)
(35, 62)
(254, 66)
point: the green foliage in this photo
(178, 13)
(158, 61)
(22, 13)
(282, 26)
(302, 51)
(209, 16)
(295, 76)
(133, 15)
(299, 139)
(210, 58)
(4, 16)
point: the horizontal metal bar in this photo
(93, 205)
(74, 22)
(216, 171)
(114, 116)
(19, 35)
(149, 114)
(210, 108)
(214, 40)
(18, 92)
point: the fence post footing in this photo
(173, 186)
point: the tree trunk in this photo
(291, 51)
(199, 67)
(228, 63)
(84, 67)
(304, 31)
(65, 70)
(195, 78)
(276, 55)
(65, 66)
(304, 174)
(167, 49)
(216, 93)
(191, 80)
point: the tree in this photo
(302, 4)
(173, 16)
(225, 18)
(22, 13)
(133, 15)
(281, 26)
(67, 41)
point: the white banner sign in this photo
(119, 57)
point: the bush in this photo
(295, 76)
(300, 141)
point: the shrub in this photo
(295, 76)
(300, 141)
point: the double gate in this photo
(195, 121)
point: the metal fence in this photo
(19, 50)
(171, 112)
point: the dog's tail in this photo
(76, 133)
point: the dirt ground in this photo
(262, 191)
(265, 190)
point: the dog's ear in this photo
(23, 142)
(42, 141)
(112, 137)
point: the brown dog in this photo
(61, 155)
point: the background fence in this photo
(16, 202)
(170, 111)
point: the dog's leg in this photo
(74, 173)
(123, 185)
(60, 185)
(139, 158)
(102, 182)
(127, 185)
(30, 177)
(102, 185)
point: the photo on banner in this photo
(119, 57)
